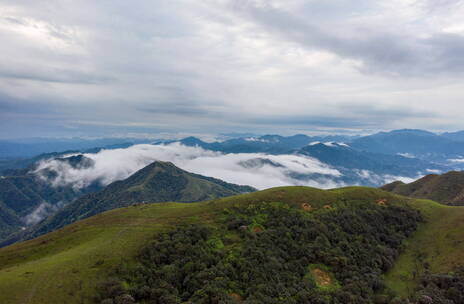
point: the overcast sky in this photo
(105, 68)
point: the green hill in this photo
(447, 188)
(157, 182)
(352, 237)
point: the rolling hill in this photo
(157, 182)
(75, 264)
(447, 188)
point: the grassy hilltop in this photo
(67, 265)
(445, 188)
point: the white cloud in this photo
(41, 212)
(382, 179)
(407, 155)
(404, 179)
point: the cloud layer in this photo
(111, 67)
(255, 169)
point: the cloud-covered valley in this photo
(255, 169)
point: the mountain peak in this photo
(160, 164)
(191, 140)
(158, 182)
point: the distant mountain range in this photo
(445, 149)
(368, 160)
(447, 188)
(368, 168)
(271, 144)
(414, 143)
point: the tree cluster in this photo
(264, 253)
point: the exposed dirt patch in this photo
(236, 297)
(321, 277)
(280, 194)
(257, 229)
(382, 202)
(327, 207)
(306, 207)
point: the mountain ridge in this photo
(447, 188)
(155, 183)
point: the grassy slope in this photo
(65, 266)
(439, 242)
(445, 188)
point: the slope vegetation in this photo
(447, 188)
(68, 265)
(157, 182)
(24, 198)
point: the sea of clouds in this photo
(258, 170)
(255, 169)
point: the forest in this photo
(272, 253)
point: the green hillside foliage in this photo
(157, 182)
(21, 194)
(77, 262)
(9, 221)
(446, 188)
(448, 288)
(270, 265)
(437, 247)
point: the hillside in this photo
(447, 188)
(157, 182)
(25, 199)
(78, 258)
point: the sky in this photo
(138, 68)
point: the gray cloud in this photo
(106, 67)
(381, 50)
(47, 74)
